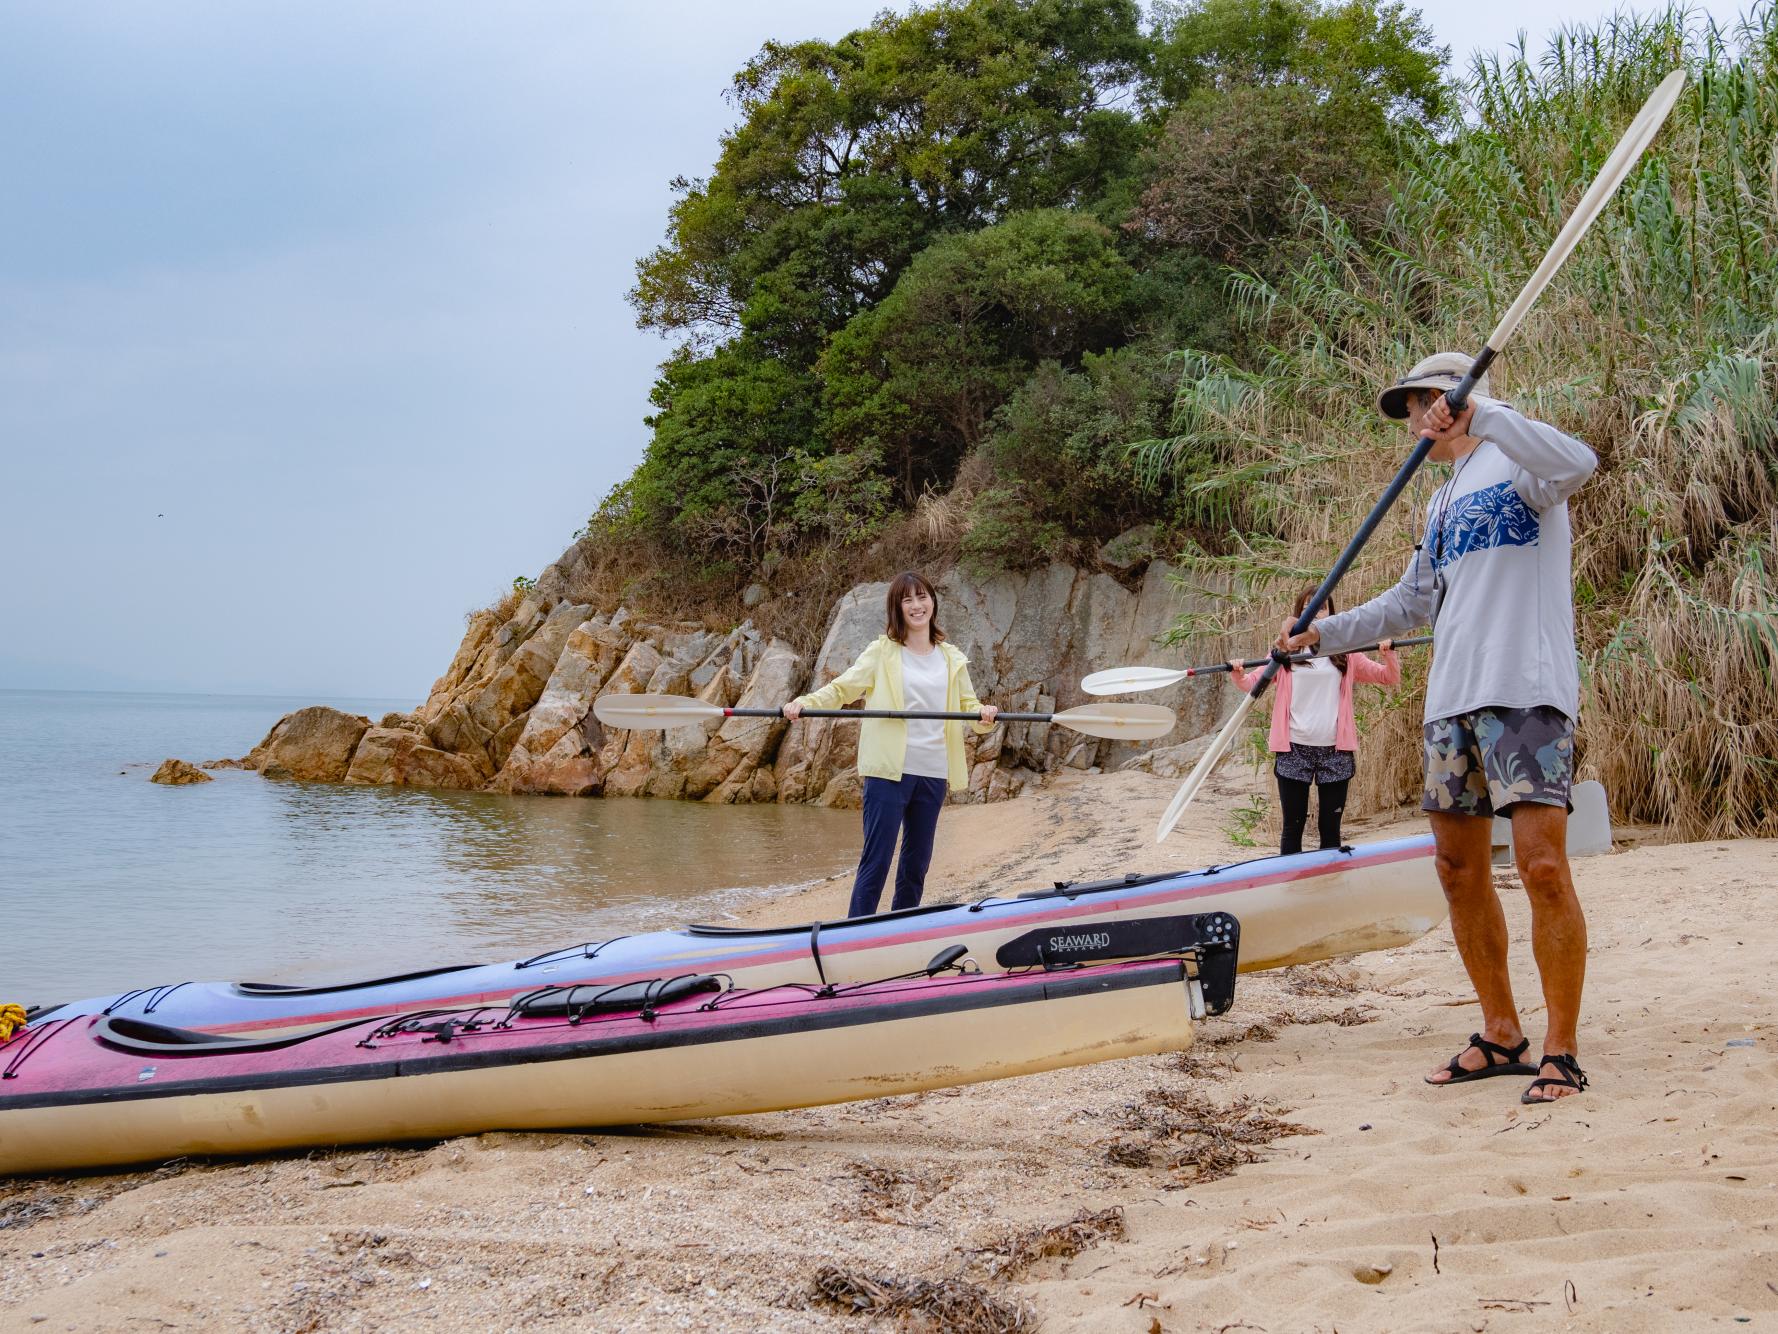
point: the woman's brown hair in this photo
(899, 587)
(1302, 600)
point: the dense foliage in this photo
(1658, 344)
(999, 279)
(942, 261)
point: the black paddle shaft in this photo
(1308, 655)
(1458, 398)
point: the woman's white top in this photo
(924, 677)
(1314, 702)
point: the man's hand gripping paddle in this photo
(1637, 138)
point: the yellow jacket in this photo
(883, 742)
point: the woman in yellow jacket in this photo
(905, 764)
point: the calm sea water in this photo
(109, 881)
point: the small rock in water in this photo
(177, 773)
(1372, 1274)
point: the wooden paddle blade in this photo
(1127, 680)
(639, 712)
(1119, 722)
(1195, 779)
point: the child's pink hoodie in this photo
(1358, 668)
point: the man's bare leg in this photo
(1479, 924)
(1558, 927)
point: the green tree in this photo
(720, 472)
(1063, 438)
(850, 155)
(1380, 51)
(907, 223)
(1267, 94)
(917, 378)
(1058, 453)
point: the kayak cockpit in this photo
(277, 990)
(147, 1038)
(895, 915)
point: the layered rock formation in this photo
(316, 743)
(513, 712)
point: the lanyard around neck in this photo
(1448, 492)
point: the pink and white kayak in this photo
(91, 1090)
(1313, 905)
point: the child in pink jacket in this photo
(1313, 733)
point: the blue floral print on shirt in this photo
(1494, 516)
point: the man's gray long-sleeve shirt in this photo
(1497, 536)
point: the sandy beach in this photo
(1291, 1172)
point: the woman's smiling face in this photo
(916, 606)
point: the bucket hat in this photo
(1440, 371)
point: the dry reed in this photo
(1657, 344)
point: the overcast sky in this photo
(312, 319)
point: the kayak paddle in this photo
(1629, 148)
(1125, 680)
(1118, 722)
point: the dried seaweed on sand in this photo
(950, 1304)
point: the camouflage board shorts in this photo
(1483, 762)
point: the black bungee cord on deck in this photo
(156, 996)
(31, 1041)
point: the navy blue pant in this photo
(907, 807)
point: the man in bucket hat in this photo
(1493, 577)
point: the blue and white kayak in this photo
(1295, 909)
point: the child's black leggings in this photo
(1293, 798)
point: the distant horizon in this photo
(317, 697)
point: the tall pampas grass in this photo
(1658, 345)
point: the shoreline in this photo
(1093, 1198)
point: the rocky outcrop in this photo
(816, 762)
(315, 744)
(177, 773)
(694, 762)
(400, 757)
(1029, 639)
(1171, 761)
(736, 765)
(555, 750)
(514, 710)
(483, 718)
